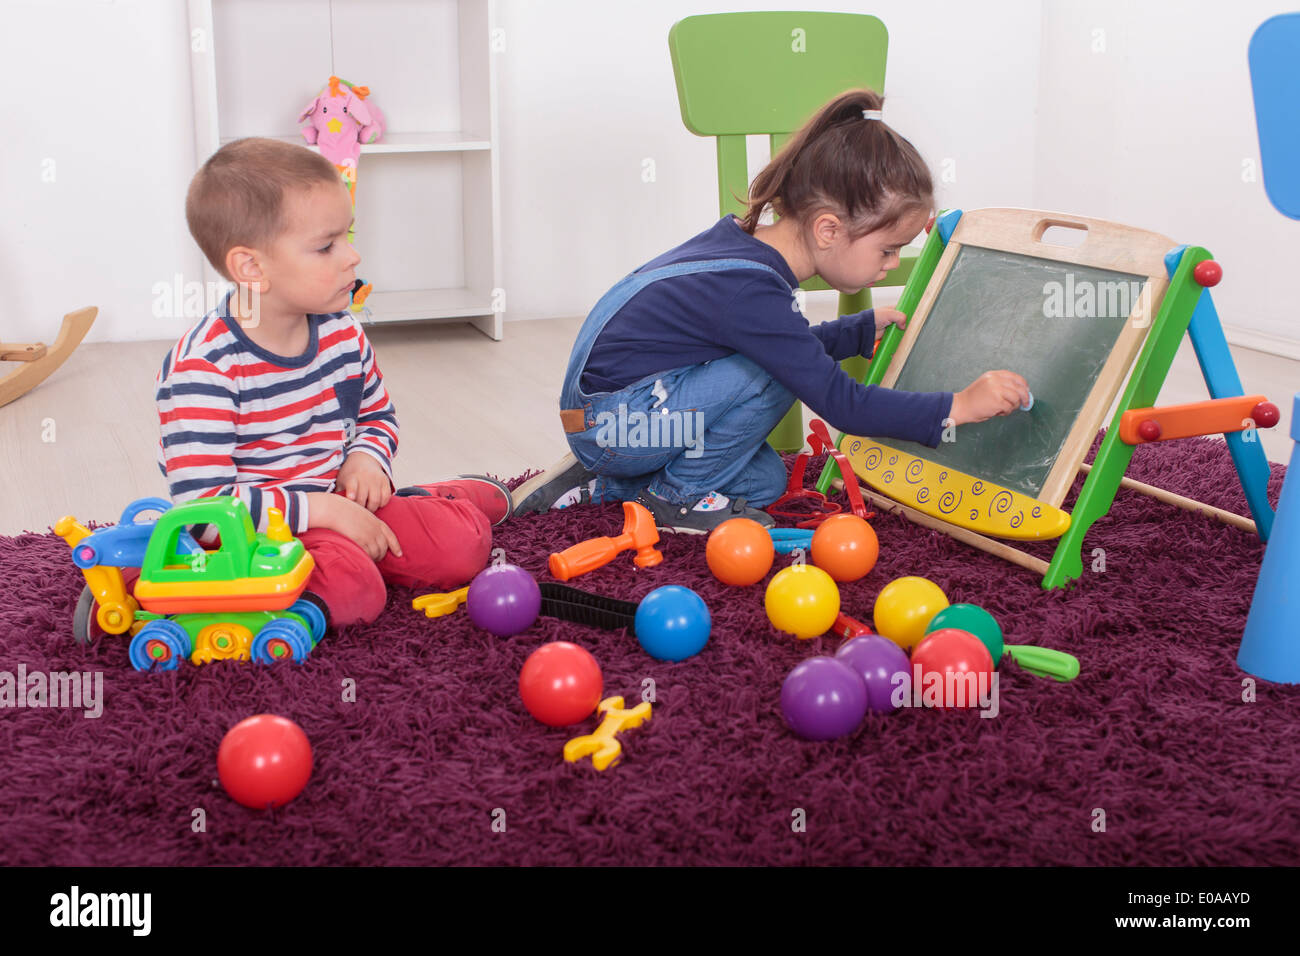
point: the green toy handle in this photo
(1045, 662)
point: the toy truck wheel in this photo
(281, 640)
(159, 645)
(85, 629)
(312, 610)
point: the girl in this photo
(683, 368)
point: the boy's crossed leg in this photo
(445, 542)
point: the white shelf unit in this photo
(428, 218)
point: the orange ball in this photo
(740, 552)
(845, 547)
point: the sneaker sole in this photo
(684, 530)
(538, 482)
(677, 530)
(692, 529)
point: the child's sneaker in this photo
(702, 517)
(565, 483)
(487, 494)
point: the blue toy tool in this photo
(786, 540)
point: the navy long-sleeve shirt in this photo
(690, 319)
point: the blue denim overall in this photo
(712, 423)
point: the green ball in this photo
(974, 620)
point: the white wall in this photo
(96, 160)
(1005, 99)
(1146, 117)
(587, 92)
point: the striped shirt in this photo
(239, 420)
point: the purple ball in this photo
(876, 660)
(823, 699)
(504, 599)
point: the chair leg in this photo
(788, 433)
(858, 365)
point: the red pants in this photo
(445, 542)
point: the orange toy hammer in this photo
(638, 532)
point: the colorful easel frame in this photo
(1185, 307)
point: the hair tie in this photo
(871, 115)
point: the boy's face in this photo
(311, 265)
(850, 265)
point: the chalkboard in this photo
(1055, 323)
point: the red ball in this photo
(264, 761)
(952, 651)
(560, 684)
(1149, 430)
(1265, 414)
(1207, 273)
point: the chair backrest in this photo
(749, 74)
(1275, 79)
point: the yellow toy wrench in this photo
(436, 605)
(603, 746)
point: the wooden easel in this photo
(38, 360)
(1185, 307)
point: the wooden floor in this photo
(85, 442)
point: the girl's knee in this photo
(765, 478)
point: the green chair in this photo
(765, 74)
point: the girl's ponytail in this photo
(841, 160)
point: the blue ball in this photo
(672, 623)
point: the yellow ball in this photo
(905, 607)
(802, 600)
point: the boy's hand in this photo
(885, 318)
(363, 480)
(355, 523)
(993, 393)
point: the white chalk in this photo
(1030, 405)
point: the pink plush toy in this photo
(340, 121)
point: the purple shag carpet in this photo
(438, 747)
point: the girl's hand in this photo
(885, 317)
(363, 480)
(993, 393)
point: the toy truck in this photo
(245, 600)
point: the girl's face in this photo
(850, 265)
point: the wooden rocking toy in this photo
(38, 360)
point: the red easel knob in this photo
(1207, 273)
(1149, 430)
(1265, 414)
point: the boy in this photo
(275, 398)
